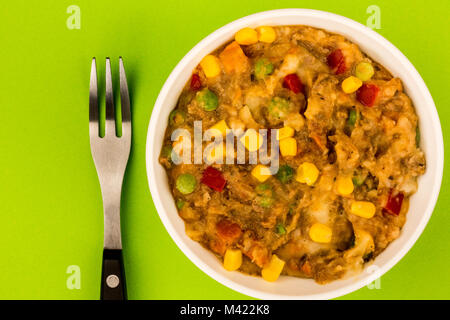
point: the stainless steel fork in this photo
(110, 154)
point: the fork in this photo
(110, 154)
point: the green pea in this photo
(263, 68)
(279, 108)
(166, 151)
(266, 202)
(176, 117)
(280, 229)
(207, 99)
(291, 208)
(186, 183)
(358, 181)
(352, 117)
(263, 187)
(417, 136)
(265, 195)
(285, 174)
(364, 71)
(180, 204)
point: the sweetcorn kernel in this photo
(273, 270)
(252, 140)
(344, 185)
(232, 260)
(266, 34)
(261, 173)
(246, 36)
(288, 147)
(285, 132)
(179, 145)
(364, 209)
(217, 154)
(211, 66)
(320, 233)
(351, 84)
(307, 173)
(221, 126)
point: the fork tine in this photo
(124, 100)
(93, 101)
(110, 123)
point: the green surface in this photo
(50, 203)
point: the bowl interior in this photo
(421, 203)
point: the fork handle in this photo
(113, 276)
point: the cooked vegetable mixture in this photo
(349, 155)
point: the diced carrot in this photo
(233, 58)
(237, 96)
(228, 231)
(258, 254)
(217, 246)
(306, 268)
(319, 142)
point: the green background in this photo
(50, 202)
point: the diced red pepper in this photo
(214, 179)
(341, 68)
(228, 231)
(196, 83)
(394, 203)
(336, 61)
(293, 83)
(367, 94)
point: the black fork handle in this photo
(113, 276)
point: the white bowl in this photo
(421, 203)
